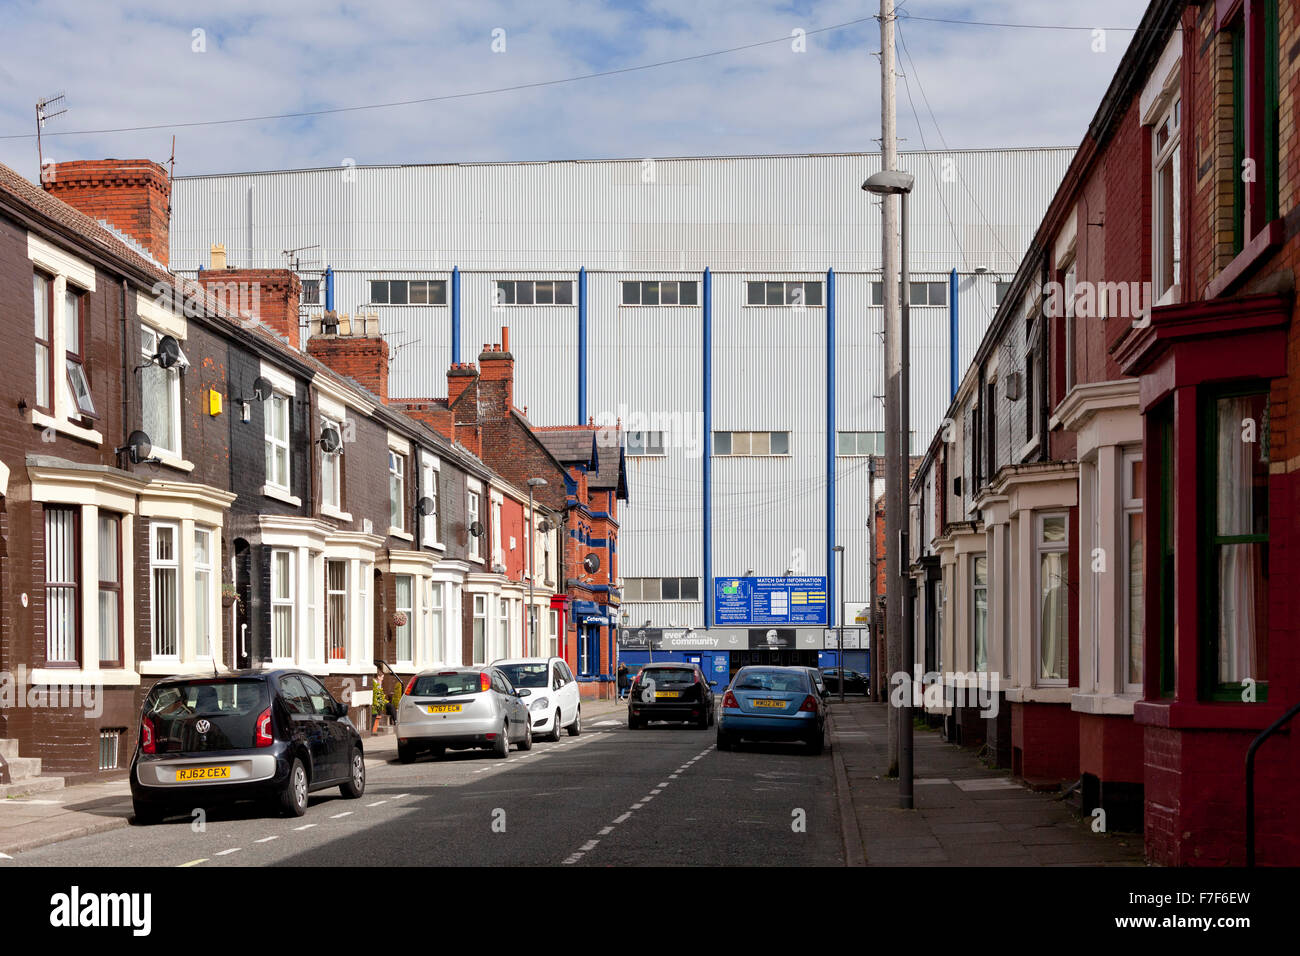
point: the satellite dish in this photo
(139, 446)
(591, 563)
(169, 353)
(262, 388)
(476, 529)
(425, 506)
(330, 441)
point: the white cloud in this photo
(128, 65)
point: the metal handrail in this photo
(1250, 778)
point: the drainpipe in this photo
(329, 288)
(582, 346)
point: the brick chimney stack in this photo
(271, 296)
(131, 195)
(353, 347)
(498, 373)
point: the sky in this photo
(169, 63)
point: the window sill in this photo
(330, 512)
(435, 545)
(75, 676)
(399, 533)
(1200, 715)
(279, 494)
(171, 461)
(163, 668)
(1027, 449)
(1062, 694)
(1252, 254)
(1119, 705)
(63, 427)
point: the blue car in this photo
(772, 703)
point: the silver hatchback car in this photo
(461, 708)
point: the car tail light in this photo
(410, 686)
(809, 704)
(264, 736)
(146, 737)
(729, 700)
(484, 681)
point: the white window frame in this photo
(976, 588)
(1132, 507)
(172, 386)
(498, 532)
(1042, 548)
(435, 635)
(279, 399)
(174, 565)
(205, 584)
(344, 626)
(396, 510)
(497, 298)
(554, 624)
(331, 471)
(480, 614)
(640, 286)
(430, 467)
(473, 513)
(281, 602)
(407, 661)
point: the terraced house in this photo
(183, 488)
(1110, 522)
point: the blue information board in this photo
(741, 602)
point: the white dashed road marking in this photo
(228, 852)
(338, 816)
(266, 839)
(307, 826)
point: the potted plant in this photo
(399, 619)
(229, 595)
(378, 706)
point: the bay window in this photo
(1134, 608)
(434, 649)
(980, 611)
(283, 643)
(1053, 599)
(1236, 543)
(165, 581)
(203, 604)
(480, 628)
(62, 590)
(404, 594)
(336, 607)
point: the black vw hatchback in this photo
(271, 736)
(670, 692)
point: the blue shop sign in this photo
(780, 600)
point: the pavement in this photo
(965, 813)
(613, 796)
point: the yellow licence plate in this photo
(444, 708)
(780, 704)
(668, 693)
(203, 773)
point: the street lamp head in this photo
(889, 182)
(838, 547)
(536, 482)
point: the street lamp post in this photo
(532, 573)
(840, 549)
(886, 183)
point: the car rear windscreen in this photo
(451, 684)
(781, 682)
(668, 675)
(525, 675)
(203, 715)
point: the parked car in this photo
(249, 735)
(854, 681)
(819, 682)
(461, 708)
(550, 691)
(772, 703)
(670, 692)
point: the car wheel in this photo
(293, 798)
(703, 722)
(502, 745)
(527, 742)
(405, 752)
(356, 784)
(724, 741)
(147, 814)
(575, 728)
(815, 745)
(554, 735)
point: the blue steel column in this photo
(954, 369)
(707, 301)
(582, 346)
(329, 288)
(455, 314)
(830, 447)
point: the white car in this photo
(549, 690)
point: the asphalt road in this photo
(611, 797)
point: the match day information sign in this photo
(751, 602)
